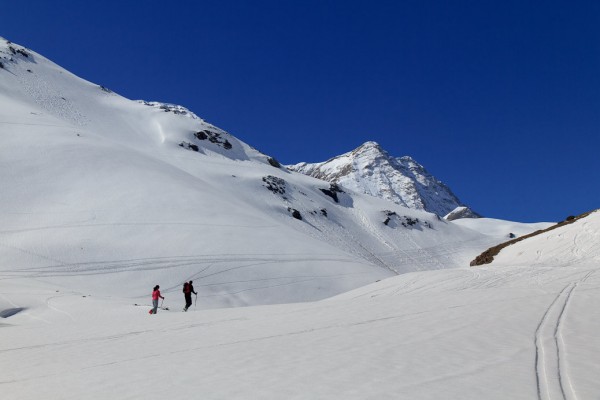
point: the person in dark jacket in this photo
(188, 289)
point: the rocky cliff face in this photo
(370, 169)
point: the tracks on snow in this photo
(552, 378)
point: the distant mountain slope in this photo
(370, 169)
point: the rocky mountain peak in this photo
(368, 147)
(370, 169)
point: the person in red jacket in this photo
(155, 296)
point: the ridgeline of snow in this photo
(370, 169)
(500, 228)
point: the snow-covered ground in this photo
(524, 327)
(103, 197)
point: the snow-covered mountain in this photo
(370, 169)
(103, 197)
(109, 195)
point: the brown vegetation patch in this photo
(488, 256)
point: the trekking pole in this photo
(196, 301)
(161, 303)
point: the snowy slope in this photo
(370, 169)
(535, 319)
(106, 195)
(508, 331)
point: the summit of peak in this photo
(370, 145)
(370, 169)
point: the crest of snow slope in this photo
(500, 228)
(370, 169)
(572, 245)
(104, 195)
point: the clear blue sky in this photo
(498, 99)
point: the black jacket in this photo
(191, 289)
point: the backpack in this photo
(185, 287)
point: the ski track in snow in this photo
(406, 258)
(551, 370)
(223, 264)
(335, 234)
(160, 263)
(126, 224)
